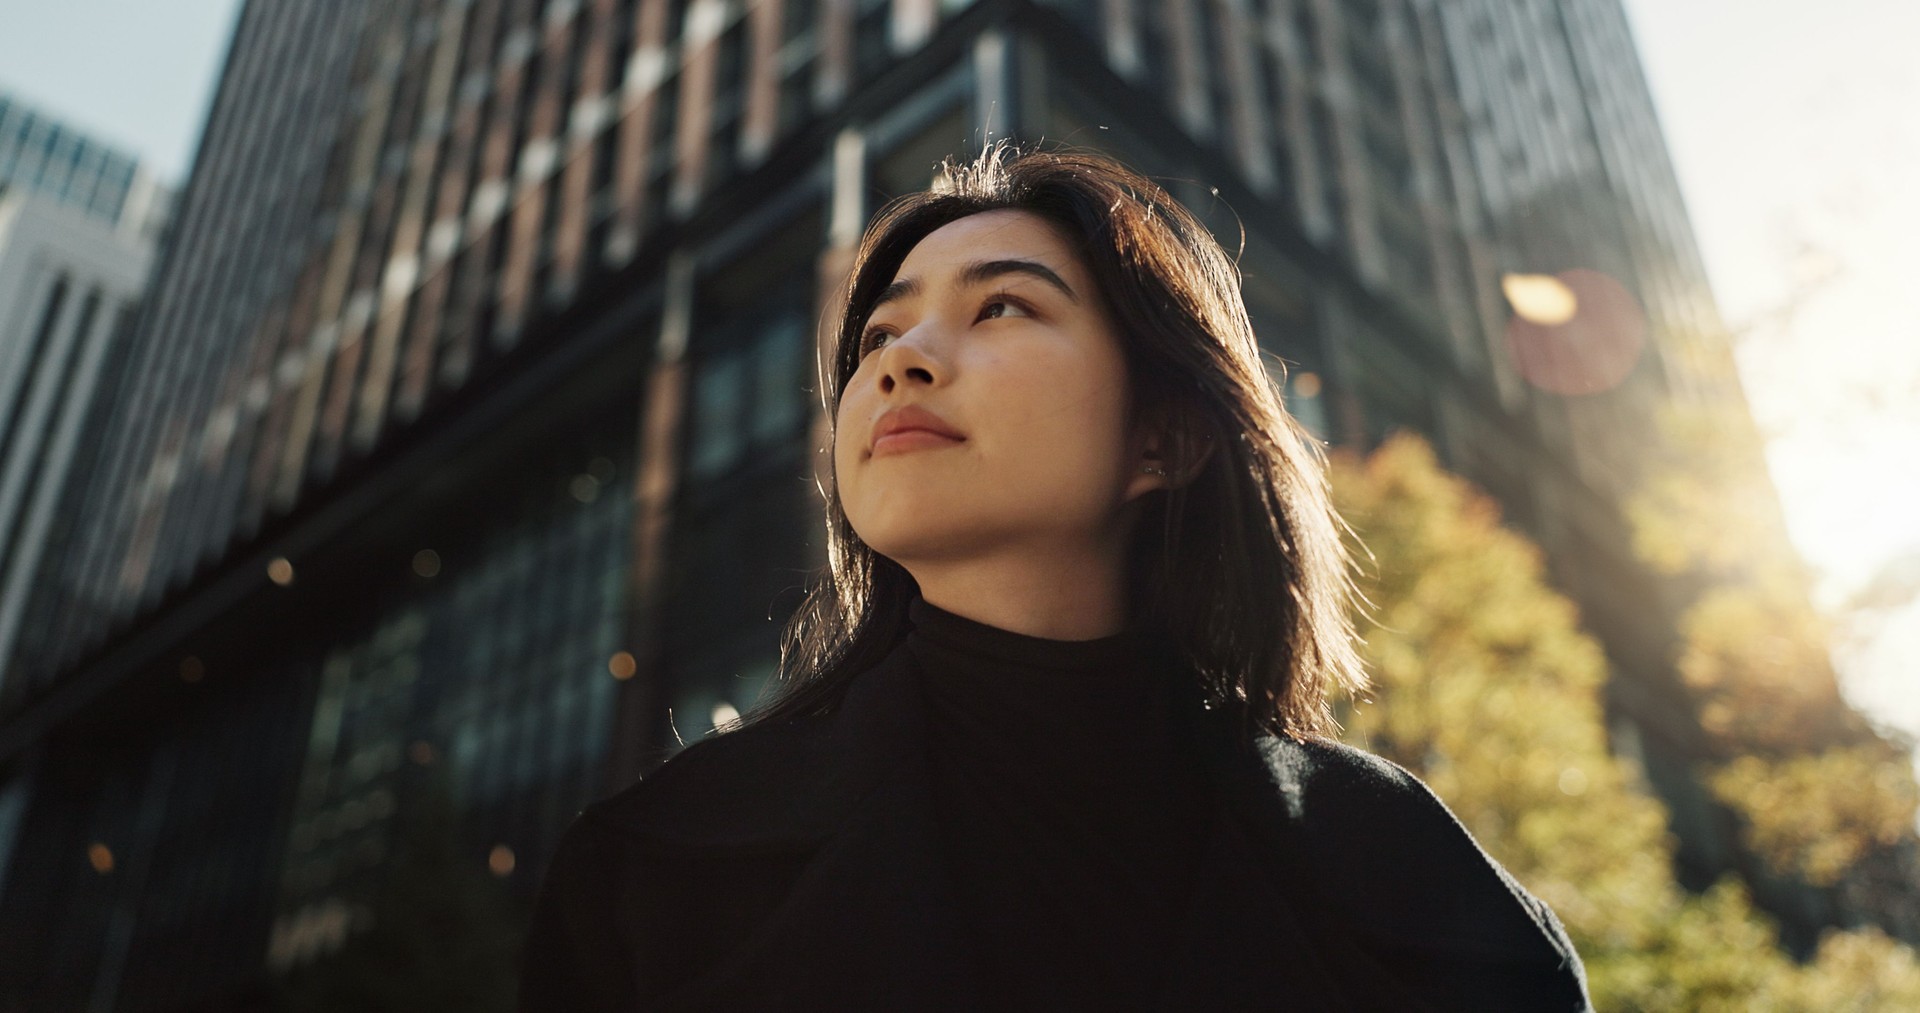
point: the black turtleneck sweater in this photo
(994, 821)
(1072, 821)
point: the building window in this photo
(729, 101)
(718, 393)
(781, 378)
(42, 340)
(872, 52)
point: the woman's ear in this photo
(1169, 449)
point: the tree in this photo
(1823, 795)
(1486, 687)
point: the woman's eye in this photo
(1004, 306)
(994, 308)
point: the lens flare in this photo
(1540, 298)
(1596, 341)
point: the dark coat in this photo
(796, 867)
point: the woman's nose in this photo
(906, 360)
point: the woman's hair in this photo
(1240, 571)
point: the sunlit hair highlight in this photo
(1240, 572)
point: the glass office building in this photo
(472, 428)
(40, 154)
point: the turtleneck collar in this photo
(1066, 700)
(940, 628)
(1072, 816)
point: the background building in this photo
(78, 224)
(39, 154)
(69, 284)
(470, 426)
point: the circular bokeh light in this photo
(1596, 341)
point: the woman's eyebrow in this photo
(976, 273)
(986, 270)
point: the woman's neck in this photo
(1059, 598)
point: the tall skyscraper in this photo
(467, 441)
(40, 154)
(78, 225)
(69, 284)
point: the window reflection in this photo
(780, 375)
(718, 393)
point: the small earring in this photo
(1151, 470)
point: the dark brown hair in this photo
(1240, 572)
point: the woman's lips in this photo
(906, 441)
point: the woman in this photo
(1054, 730)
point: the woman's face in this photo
(993, 326)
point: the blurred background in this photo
(408, 434)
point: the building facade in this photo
(470, 434)
(40, 154)
(69, 285)
(78, 226)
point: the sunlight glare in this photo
(1540, 298)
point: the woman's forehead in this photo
(989, 235)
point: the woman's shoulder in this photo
(1401, 854)
(752, 785)
(649, 882)
(1364, 807)
(1337, 780)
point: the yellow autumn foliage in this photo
(1705, 502)
(1818, 814)
(1487, 688)
(1816, 788)
(1755, 657)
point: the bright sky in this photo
(136, 74)
(1794, 129)
(1795, 133)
